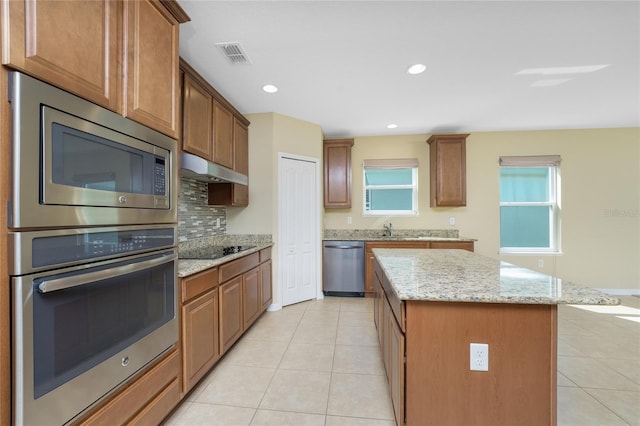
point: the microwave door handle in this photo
(55, 284)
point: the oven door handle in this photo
(55, 284)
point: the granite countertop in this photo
(190, 266)
(462, 276)
(397, 235)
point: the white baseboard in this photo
(274, 307)
(620, 291)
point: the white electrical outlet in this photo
(540, 263)
(452, 221)
(349, 219)
(479, 357)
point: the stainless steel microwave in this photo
(78, 164)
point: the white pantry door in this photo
(298, 228)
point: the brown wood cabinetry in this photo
(73, 45)
(369, 259)
(200, 336)
(337, 173)
(233, 194)
(447, 168)
(214, 130)
(147, 400)
(266, 292)
(152, 73)
(197, 107)
(120, 55)
(251, 303)
(230, 312)
(392, 346)
(425, 347)
(214, 315)
(222, 135)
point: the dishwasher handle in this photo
(345, 247)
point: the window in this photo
(390, 187)
(529, 204)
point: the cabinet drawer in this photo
(197, 284)
(396, 305)
(265, 254)
(238, 266)
(147, 390)
(462, 245)
(396, 244)
(160, 407)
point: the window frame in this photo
(390, 164)
(553, 202)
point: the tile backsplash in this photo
(197, 219)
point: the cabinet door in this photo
(251, 302)
(337, 173)
(241, 147)
(240, 193)
(266, 294)
(447, 158)
(395, 371)
(73, 45)
(197, 107)
(151, 66)
(230, 312)
(200, 337)
(222, 135)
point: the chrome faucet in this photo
(389, 228)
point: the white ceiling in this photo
(342, 64)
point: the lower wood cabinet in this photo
(251, 303)
(392, 346)
(266, 295)
(200, 337)
(147, 400)
(425, 351)
(230, 312)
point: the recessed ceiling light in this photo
(416, 69)
(269, 88)
(563, 70)
(392, 126)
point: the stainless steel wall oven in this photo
(93, 256)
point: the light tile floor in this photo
(318, 363)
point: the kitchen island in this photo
(432, 304)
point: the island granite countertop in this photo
(462, 276)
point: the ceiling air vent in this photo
(234, 53)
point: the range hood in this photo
(194, 167)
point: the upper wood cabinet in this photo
(222, 135)
(152, 72)
(337, 173)
(73, 45)
(447, 162)
(197, 107)
(213, 129)
(120, 55)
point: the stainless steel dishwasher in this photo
(343, 268)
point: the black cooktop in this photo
(213, 252)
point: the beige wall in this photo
(269, 135)
(600, 175)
